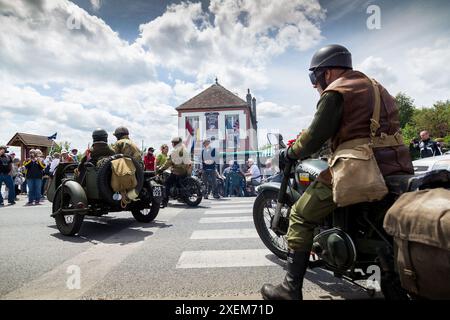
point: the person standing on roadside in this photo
(6, 164)
(149, 160)
(162, 157)
(35, 168)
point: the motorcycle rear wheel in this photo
(263, 212)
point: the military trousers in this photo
(313, 206)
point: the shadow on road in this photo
(110, 230)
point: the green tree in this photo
(58, 146)
(406, 108)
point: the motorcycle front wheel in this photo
(263, 213)
(146, 215)
(68, 225)
(192, 192)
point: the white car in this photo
(432, 163)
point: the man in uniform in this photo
(179, 162)
(125, 146)
(343, 114)
(99, 150)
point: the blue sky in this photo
(130, 63)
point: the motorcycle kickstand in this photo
(370, 291)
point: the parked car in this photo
(432, 163)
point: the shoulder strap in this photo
(375, 120)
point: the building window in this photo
(232, 130)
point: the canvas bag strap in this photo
(408, 271)
(375, 120)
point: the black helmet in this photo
(333, 55)
(100, 135)
(120, 132)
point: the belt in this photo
(382, 141)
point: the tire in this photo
(146, 215)
(104, 181)
(64, 225)
(194, 190)
(276, 244)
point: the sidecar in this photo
(89, 193)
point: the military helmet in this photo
(333, 55)
(120, 132)
(100, 135)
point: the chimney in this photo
(249, 99)
(254, 111)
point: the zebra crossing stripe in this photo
(224, 234)
(225, 259)
(232, 207)
(226, 219)
(227, 211)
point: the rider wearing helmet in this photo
(344, 113)
(99, 150)
(125, 146)
(179, 162)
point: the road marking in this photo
(226, 219)
(225, 259)
(224, 234)
(232, 207)
(230, 202)
(227, 211)
(94, 263)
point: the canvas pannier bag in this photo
(123, 176)
(355, 174)
(420, 224)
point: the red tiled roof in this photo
(215, 96)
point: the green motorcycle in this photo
(90, 194)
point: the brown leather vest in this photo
(357, 91)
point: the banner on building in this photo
(212, 125)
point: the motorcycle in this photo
(350, 242)
(90, 194)
(187, 189)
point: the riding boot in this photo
(291, 287)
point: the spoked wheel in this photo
(192, 192)
(263, 214)
(148, 214)
(68, 225)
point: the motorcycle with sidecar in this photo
(89, 193)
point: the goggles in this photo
(314, 75)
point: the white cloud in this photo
(96, 4)
(378, 69)
(233, 39)
(431, 65)
(56, 41)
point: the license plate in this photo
(157, 192)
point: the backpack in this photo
(420, 224)
(123, 175)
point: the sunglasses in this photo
(314, 75)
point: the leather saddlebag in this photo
(420, 224)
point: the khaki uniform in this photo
(128, 148)
(348, 118)
(179, 161)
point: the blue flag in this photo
(53, 136)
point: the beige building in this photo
(224, 118)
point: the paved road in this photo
(209, 252)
